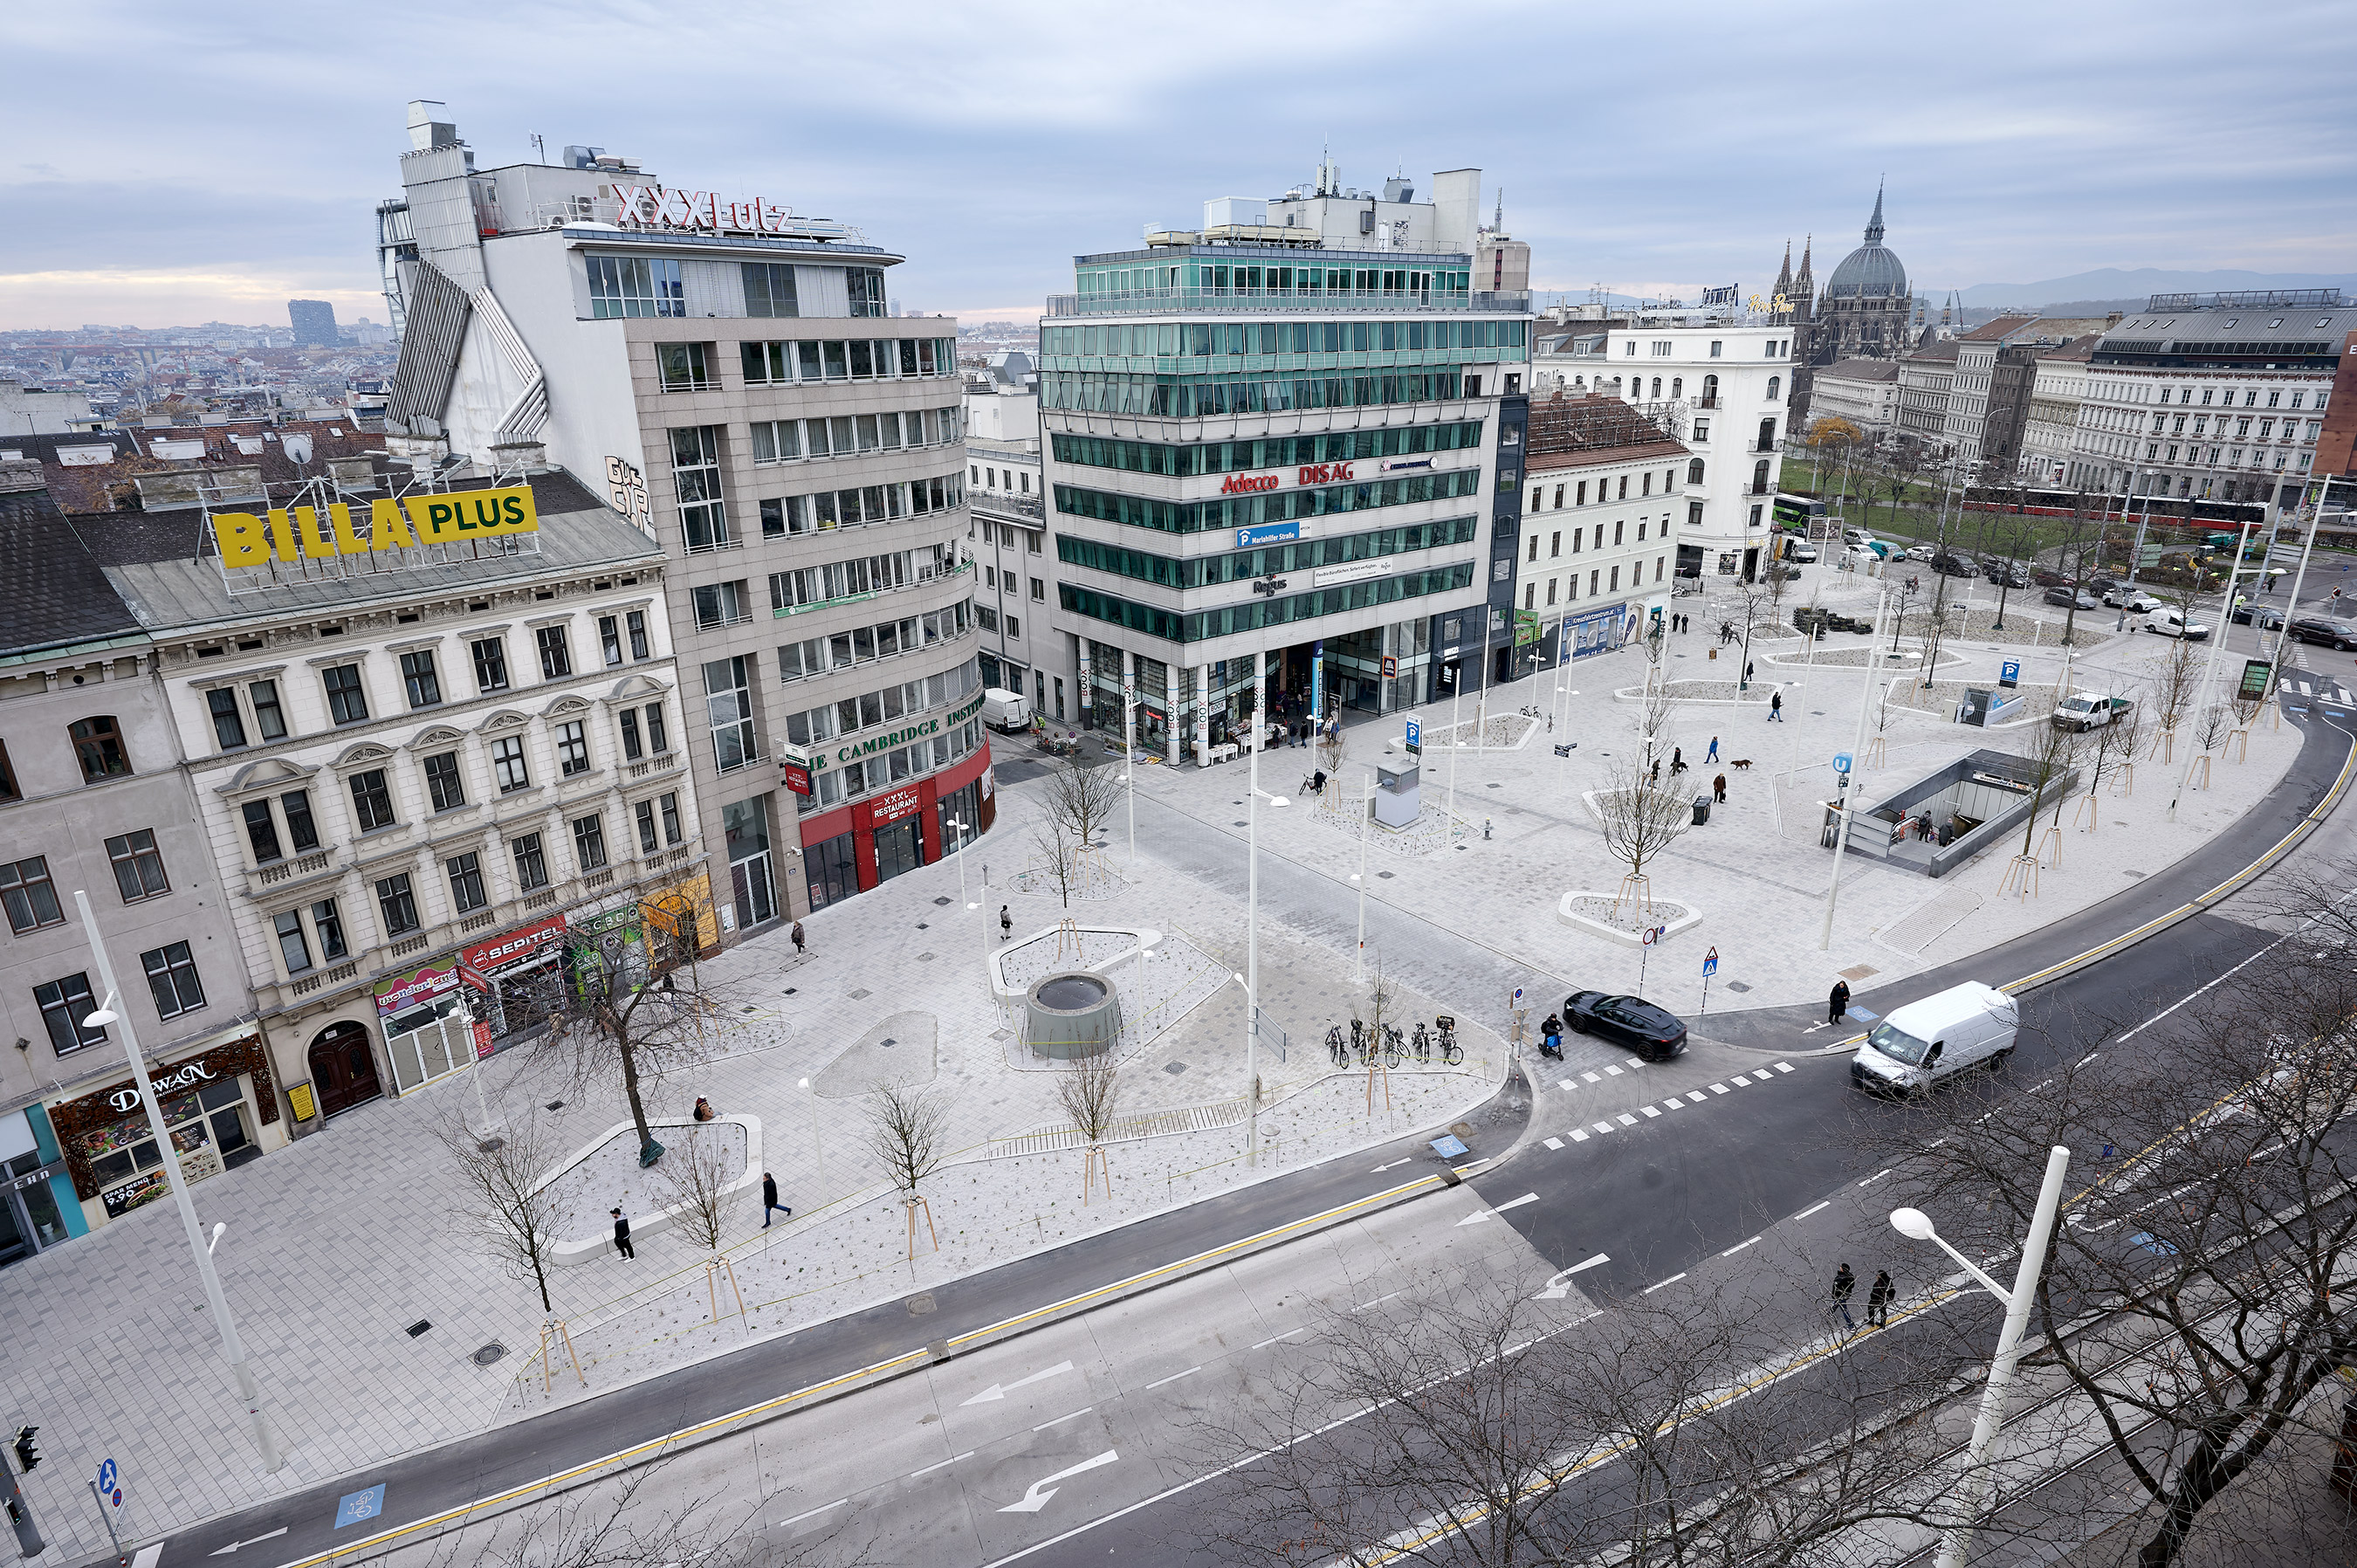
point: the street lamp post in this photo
(1366, 813)
(112, 1010)
(1915, 1224)
(1841, 836)
(957, 825)
(1129, 744)
(1252, 912)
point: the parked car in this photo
(1800, 549)
(2091, 710)
(2048, 577)
(1651, 1031)
(2329, 631)
(2135, 600)
(2266, 616)
(2078, 597)
(2005, 574)
(1927, 1042)
(2100, 584)
(2172, 623)
(1004, 711)
(1953, 565)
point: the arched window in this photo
(1694, 472)
(1759, 478)
(97, 746)
(1767, 435)
(1711, 392)
(1677, 386)
(1616, 386)
(1775, 386)
(1657, 389)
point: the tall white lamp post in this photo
(1252, 913)
(957, 826)
(112, 1012)
(1129, 744)
(1917, 1224)
(1366, 815)
(1849, 794)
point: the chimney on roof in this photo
(425, 132)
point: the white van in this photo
(1004, 711)
(2172, 623)
(1924, 1042)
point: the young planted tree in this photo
(698, 1186)
(635, 1013)
(2195, 1296)
(908, 1130)
(2173, 689)
(2052, 753)
(1090, 1091)
(1639, 821)
(1077, 803)
(502, 1204)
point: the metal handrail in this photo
(1147, 300)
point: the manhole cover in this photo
(860, 996)
(792, 989)
(921, 1303)
(943, 899)
(1493, 786)
(556, 1105)
(747, 1008)
(489, 1353)
(1386, 875)
(1737, 985)
(924, 957)
(1174, 1069)
(888, 1040)
(1244, 824)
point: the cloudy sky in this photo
(172, 166)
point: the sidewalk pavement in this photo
(339, 1243)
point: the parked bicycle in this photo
(1449, 1053)
(1395, 1046)
(1335, 1047)
(1423, 1044)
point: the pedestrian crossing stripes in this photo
(1626, 1118)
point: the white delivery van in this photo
(1004, 711)
(2172, 623)
(1927, 1042)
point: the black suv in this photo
(2329, 631)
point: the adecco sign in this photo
(450, 518)
(1309, 474)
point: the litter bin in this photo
(1702, 810)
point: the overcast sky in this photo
(168, 166)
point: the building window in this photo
(372, 801)
(98, 746)
(1775, 388)
(262, 832)
(657, 739)
(555, 652)
(695, 479)
(229, 728)
(443, 781)
(466, 882)
(722, 604)
(418, 679)
(634, 286)
(637, 623)
(138, 866)
(645, 812)
(396, 904)
(572, 748)
(672, 832)
(172, 978)
(633, 747)
(269, 718)
(347, 704)
(301, 831)
(294, 948)
(31, 897)
(685, 367)
(530, 862)
(1694, 472)
(491, 665)
(327, 923)
(589, 842)
(8, 790)
(728, 696)
(770, 289)
(507, 768)
(1039, 590)
(64, 1004)
(867, 289)
(609, 639)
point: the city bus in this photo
(1800, 514)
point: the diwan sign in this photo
(453, 516)
(128, 1100)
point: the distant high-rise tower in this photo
(314, 321)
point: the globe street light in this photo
(1916, 1225)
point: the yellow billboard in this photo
(449, 518)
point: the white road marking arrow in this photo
(233, 1545)
(1042, 1490)
(1476, 1218)
(1559, 1286)
(1000, 1391)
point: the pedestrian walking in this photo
(1837, 1003)
(1005, 923)
(1750, 670)
(623, 1235)
(797, 938)
(1677, 760)
(1718, 790)
(1656, 775)
(1845, 1283)
(1878, 1299)
(770, 1199)
(1712, 754)
(1776, 707)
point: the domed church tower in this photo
(1864, 312)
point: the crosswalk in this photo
(1701, 1096)
(2331, 692)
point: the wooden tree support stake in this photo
(914, 1202)
(553, 1333)
(2021, 869)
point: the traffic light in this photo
(27, 1454)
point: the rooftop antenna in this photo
(1498, 221)
(539, 148)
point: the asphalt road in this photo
(1656, 1202)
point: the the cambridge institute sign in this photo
(453, 517)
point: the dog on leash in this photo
(1740, 763)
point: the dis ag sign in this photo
(1326, 473)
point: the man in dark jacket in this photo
(1845, 1283)
(623, 1235)
(1878, 1299)
(770, 1199)
(1837, 1003)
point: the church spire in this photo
(1785, 274)
(1804, 278)
(1874, 224)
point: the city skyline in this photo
(997, 143)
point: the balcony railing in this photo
(1162, 300)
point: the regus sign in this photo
(245, 540)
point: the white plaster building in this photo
(1864, 392)
(1605, 491)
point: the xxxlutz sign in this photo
(450, 518)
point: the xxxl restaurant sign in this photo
(1307, 474)
(662, 207)
(452, 518)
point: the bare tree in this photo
(2052, 754)
(2194, 1297)
(1080, 800)
(2173, 689)
(1090, 1091)
(636, 1011)
(505, 1205)
(2211, 724)
(1058, 854)
(698, 1186)
(908, 1129)
(1639, 819)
